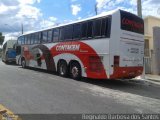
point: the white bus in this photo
(106, 46)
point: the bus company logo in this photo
(68, 47)
(132, 23)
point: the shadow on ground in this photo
(140, 87)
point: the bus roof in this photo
(103, 14)
(9, 41)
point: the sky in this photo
(39, 14)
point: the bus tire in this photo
(6, 62)
(23, 63)
(75, 71)
(62, 68)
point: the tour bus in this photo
(106, 46)
(8, 51)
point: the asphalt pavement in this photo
(34, 91)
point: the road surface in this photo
(31, 91)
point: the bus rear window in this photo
(131, 22)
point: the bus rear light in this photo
(95, 64)
(116, 61)
(139, 71)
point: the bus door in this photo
(18, 54)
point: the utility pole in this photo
(22, 27)
(139, 8)
(139, 13)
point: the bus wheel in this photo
(75, 71)
(62, 69)
(23, 63)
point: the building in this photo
(152, 44)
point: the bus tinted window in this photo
(84, 30)
(62, 33)
(97, 28)
(50, 36)
(55, 35)
(36, 38)
(44, 38)
(131, 22)
(28, 39)
(22, 39)
(32, 38)
(68, 32)
(90, 29)
(39, 37)
(25, 39)
(106, 27)
(77, 31)
(19, 41)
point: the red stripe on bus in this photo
(126, 72)
(83, 52)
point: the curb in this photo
(155, 80)
(6, 114)
(147, 81)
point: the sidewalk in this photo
(155, 78)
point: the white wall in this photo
(156, 54)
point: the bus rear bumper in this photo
(126, 72)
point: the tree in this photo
(1, 38)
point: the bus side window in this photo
(84, 30)
(49, 35)
(97, 28)
(25, 39)
(104, 27)
(90, 29)
(32, 39)
(19, 41)
(55, 34)
(77, 31)
(62, 33)
(22, 39)
(68, 32)
(40, 37)
(108, 26)
(35, 38)
(29, 39)
(44, 37)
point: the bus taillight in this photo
(95, 63)
(116, 61)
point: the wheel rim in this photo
(23, 63)
(75, 72)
